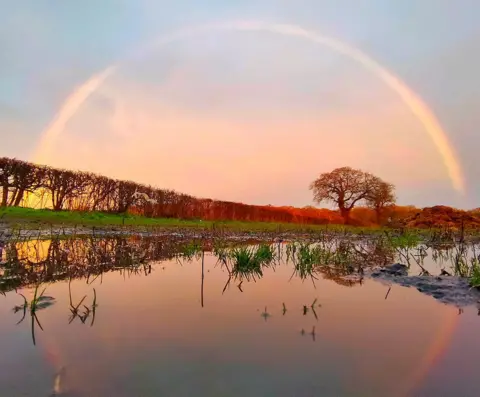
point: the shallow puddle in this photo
(161, 331)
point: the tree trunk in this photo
(19, 198)
(378, 212)
(4, 196)
(57, 202)
(345, 212)
(58, 205)
(13, 195)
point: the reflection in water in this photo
(312, 333)
(38, 302)
(156, 336)
(58, 382)
(203, 276)
(265, 314)
(341, 260)
(32, 262)
(88, 310)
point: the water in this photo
(158, 332)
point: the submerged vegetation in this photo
(39, 302)
(248, 261)
(25, 262)
(475, 273)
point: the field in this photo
(34, 218)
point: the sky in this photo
(250, 116)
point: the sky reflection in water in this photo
(151, 336)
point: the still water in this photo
(160, 331)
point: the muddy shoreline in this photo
(449, 290)
(9, 233)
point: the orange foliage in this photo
(363, 216)
(410, 216)
(442, 216)
(213, 210)
(76, 190)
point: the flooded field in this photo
(138, 316)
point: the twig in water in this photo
(388, 292)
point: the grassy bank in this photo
(28, 217)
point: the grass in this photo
(406, 240)
(248, 261)
(265, 253)
(474, 278)
(39, 302)
(36, 217)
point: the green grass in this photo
(245, 261)
(23, 216)
(474, 278)
(248, 261)
(29, 217)
(408, 240)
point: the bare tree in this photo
(6, 171)
(26, 178)
(343, 186)
(63, 185)
(90, 192)
(381, 195)
(125, 196)
(101, 192)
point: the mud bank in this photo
(450, 290)
(7, 233)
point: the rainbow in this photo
(433, 354)
(416, 105)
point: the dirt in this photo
(7, 233)
(450, 290)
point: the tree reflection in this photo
(39, 261)
(342, 259)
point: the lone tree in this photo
(346, 187)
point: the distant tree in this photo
(63, 185)
(381, 195)
(345, 187)
(26, 178)
(6, 174)
(101, 192)
(125, 196)
(18, 178)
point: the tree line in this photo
(27, 184)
